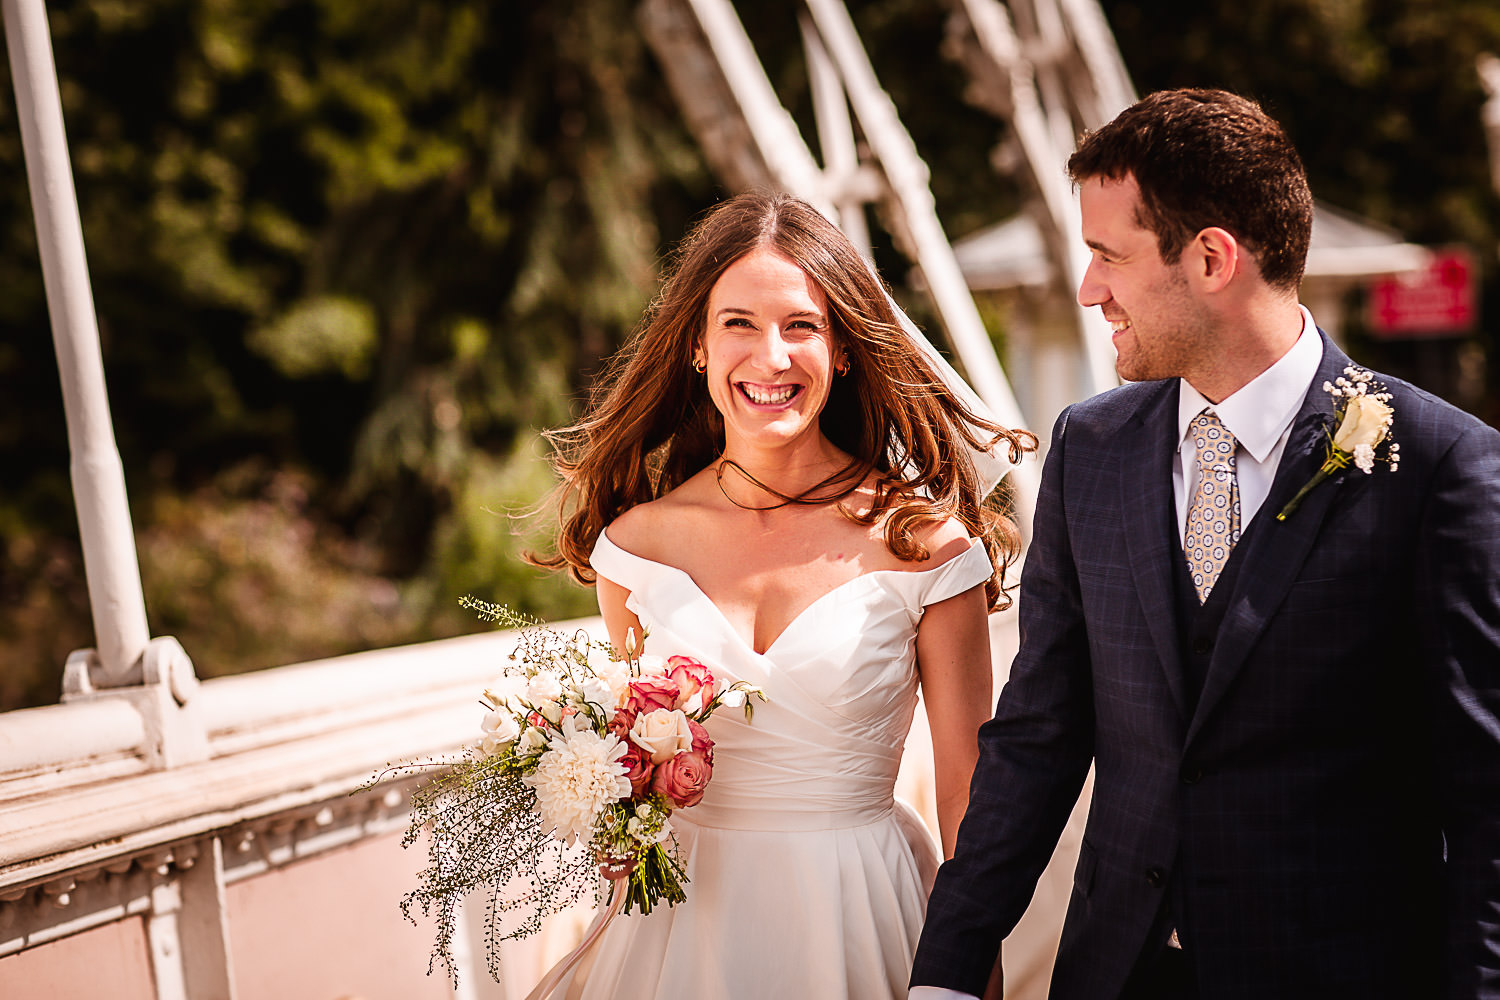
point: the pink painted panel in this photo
(110, 961)
(330, 928)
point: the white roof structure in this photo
(1012, 255)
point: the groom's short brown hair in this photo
(1208, 158)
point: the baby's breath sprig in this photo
(485, 839)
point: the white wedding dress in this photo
(807, 878)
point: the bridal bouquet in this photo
(581, 760)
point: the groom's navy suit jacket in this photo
(1318, 811)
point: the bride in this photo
(774, 479)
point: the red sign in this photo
(1438, 301)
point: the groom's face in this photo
(1160, 329)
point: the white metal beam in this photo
(908, 177)
(109, 557)
(1044, 131)
(836, 139)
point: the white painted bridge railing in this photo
(271, 869)
(159, 881)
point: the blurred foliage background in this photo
(350, 258)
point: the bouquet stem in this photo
(657, 876)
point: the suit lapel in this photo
(1276, 550)
(1147, 443)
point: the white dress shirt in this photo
(1259, 416)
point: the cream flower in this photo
(616, 674)
(596, 691)
(663, 733)
(652, 665)
(1365, 424)
(575, 779)
(543, 687)
(500, 728)
(533, 740)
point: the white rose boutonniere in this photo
(1364, 413)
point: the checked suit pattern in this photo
(1213, 520)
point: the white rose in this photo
(652, 664)
(533, 740)
(616, 675)
(595, 691)
(551, 711)
(1366, 420)
(543, 687)
(502, 726)
(732, 698)
(664, 733)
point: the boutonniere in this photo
(1363, 411)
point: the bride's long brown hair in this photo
(651, 425)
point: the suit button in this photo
(1155, 877)
(1192, 775)
(1203, 645)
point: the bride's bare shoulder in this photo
(649, 529)
(944, 540)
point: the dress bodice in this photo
(840, 680)
(800, 797)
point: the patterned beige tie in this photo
(1213, 520)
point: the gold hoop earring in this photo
(700, 366)
(844, 368)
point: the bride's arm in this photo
(953, 657)
(617, 618)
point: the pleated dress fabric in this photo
(807, 878)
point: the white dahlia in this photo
(575, 779)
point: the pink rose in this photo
(646, 694)
(683, 778)
(692, 678)
(620, 725)
(637, 769)
(702, 742)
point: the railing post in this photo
(109, 556)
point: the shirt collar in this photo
(1261, 410)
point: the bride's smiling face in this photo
(769, 351)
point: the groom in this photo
(1294, 724)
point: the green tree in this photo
(371, 246)
(349, 258)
